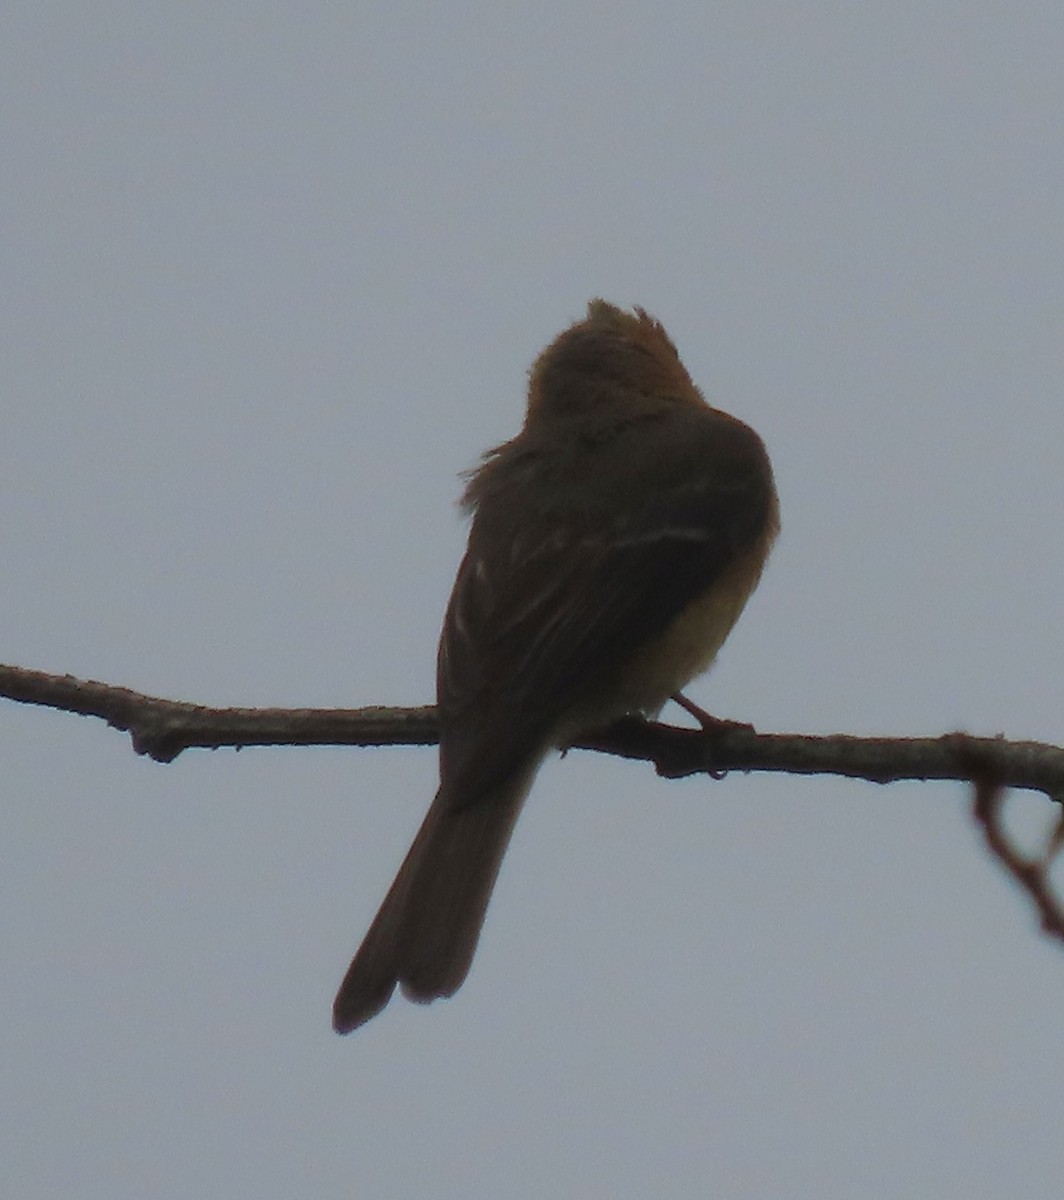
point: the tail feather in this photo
(426, 931)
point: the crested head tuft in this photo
(612, 358)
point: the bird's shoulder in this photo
(606, 469)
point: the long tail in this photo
(426, 931)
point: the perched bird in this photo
(613, 544)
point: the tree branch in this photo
(162, 729)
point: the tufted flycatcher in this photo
(613, 544)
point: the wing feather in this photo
(541, 615)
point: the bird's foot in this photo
(709, 723)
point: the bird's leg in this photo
(713, 726)
(709, 723)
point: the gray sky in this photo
(272, 276)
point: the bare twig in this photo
(162, 729)
(1032, 874)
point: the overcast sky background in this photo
(271, 276)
